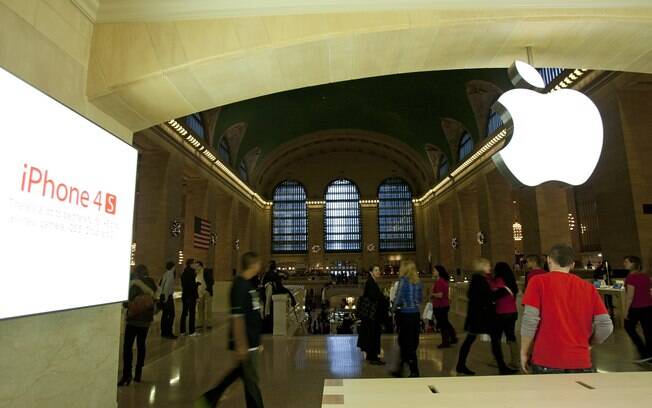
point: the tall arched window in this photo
(224, 151)
(342, 229)
(395, 216)
(466, 146)
(196, 124)
(494, 122)
(289, 218)
(244, 172)
(442, 171)
(550, 74)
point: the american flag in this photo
(202, 235)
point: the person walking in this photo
(481, 317)
(167, 301)
(639, 307)
(534, 266)
(441, 306)
(140, 314)
(407, 304)
(204, 299)
(506, 309)
(245, 334)
(371, 326)
(189, 296)
(563, 315)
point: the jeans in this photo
(507, 323)
(448, 334)
(537, 369)
(408, 339)
(167, 317)
(139, 334)
(246, 370)
(643, 315)
(188, 311)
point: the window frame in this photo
(359, 217)
(412, 241)
(462, 143)
(307, 221)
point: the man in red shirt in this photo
(534, 268)
(562, 315)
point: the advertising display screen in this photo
(66, 206)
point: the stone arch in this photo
(482, 95)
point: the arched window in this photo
(442, 171)
(242, 169)
(342, 229)
(395, 216)
(224, 151)
(550, 74)
(466, 146)
(494, 122)
(289, 218)
(196, 124)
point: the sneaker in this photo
(464, 370)
(195, 334)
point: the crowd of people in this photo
(563, 316)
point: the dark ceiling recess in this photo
(406, 106)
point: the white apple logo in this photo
(551, 137)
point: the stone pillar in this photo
(446, 231)
(223, 252)
(195, 205)
(552, 208)
(369, 236)
(496, 217)
(316, 235)
(529, 219)
(469, 248)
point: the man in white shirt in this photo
(167, 301)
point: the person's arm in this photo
(629, 293)
(529, 326)
(602, 328)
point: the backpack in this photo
(142, 302)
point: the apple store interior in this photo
(292, 203)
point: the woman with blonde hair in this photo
(407, 304)
(481, 317)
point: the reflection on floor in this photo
(293, 369)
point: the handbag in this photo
(366, 308)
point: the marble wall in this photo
(65, 359)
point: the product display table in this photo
(532, 391)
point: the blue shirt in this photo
(408, 296)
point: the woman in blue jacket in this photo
(407, 305)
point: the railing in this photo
(288, 319)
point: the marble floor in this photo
(293, 369)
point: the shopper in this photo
(189, 296)
(639, 307)
(245, 333)
(441, 306)
(204, 300)
(534, 266)
(562, 315)
(506, 309)
(371, 326)
(167, 301)
(481, 317)
(140, 313)
(407, 305)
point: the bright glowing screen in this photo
(66, 208)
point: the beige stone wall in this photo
(65, 359)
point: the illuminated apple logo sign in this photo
(555, 136)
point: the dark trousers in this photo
(644, 316)
(537, 369)
(408, 339)
(248, 371)
(167, 317)
(495, 349)
(188, 311)
(448, 334)
(139, 334)
(507, 326)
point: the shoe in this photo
(170, 337)
(138, 375)
(643, 360)
(443, 346)
(195, 334)
(124, 381)
(396, 373)
(507, 371)
(464, 370)
(377, 362)
(414, 369)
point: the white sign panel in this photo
(66, 206)
(555, 136)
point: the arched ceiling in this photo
(157, 67)
(409, 107)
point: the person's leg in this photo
(209, 311)
(213, 395)
(192, 310)
(127, 353)
(646, 323)
(442, 319)
(200, 311)
(250, 378)
(630, 327)
(184, 315)
(464, 354)
(141, 337)
(497, 351)
(402, 345)
(164, 319)
(509, 328)
(415, 331)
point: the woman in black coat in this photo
(371, 328)
(481, 318)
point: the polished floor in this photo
(293, 369)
